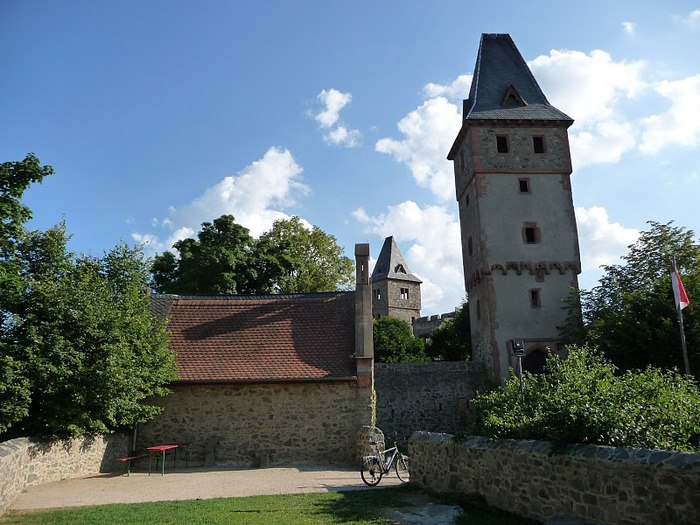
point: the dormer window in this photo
(512, 98)
(400, 269)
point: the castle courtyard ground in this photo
(188, 484)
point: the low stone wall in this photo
(246, 425)
(25, 462)
(613, 485)
(425, 396)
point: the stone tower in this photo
(512, 168)
(395, 290)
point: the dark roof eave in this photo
(517, 122)
(271, 380)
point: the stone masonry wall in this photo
(608, 484)
(425, 396)
(25, 462)
(253, 424)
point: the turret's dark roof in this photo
(391, 264)
(500, 65)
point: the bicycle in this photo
(374, 467)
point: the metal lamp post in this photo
(518, 348)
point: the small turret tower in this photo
(395, 290)
(512, 168)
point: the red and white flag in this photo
(678, 291)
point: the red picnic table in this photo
(163, 449)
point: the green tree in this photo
(89, 348)
(584, 399)
(394, 342)
(631, 315)
(15, 178)
(451, 341)
(303, 260)
(218, 262)
(225, 259)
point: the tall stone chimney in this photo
(364, 344)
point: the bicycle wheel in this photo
(371, 471)
(401, 467)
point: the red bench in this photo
(128, 461)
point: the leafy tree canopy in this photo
(79, 348)
(583, 399)
(225, 259)
(394, 342)
(631, 315)
(451, 341)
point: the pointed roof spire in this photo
(391, 264)
(501, 71)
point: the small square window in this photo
(377, 294)
(530, 235)
(535, 298)
(404, 293)
(538, 143)
(502, 143)
(524, 185)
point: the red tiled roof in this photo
(258, 338)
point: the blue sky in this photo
(160, 115)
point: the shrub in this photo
(582, 399)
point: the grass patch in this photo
(348, 508)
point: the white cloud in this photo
(431, 243)
(680, 124)
(341, 136)
(456, 90)
(589, 88)
(427, 134)
(333, 101)
(601, 241)
(629, 27)
(255, 196)
(692, 19)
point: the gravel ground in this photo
(194, 483)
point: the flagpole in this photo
(679, 311)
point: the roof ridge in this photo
(244, 297)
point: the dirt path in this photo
(188, 484)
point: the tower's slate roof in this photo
(300, 337)
(500, 65)
(500, 69)
(391, 263)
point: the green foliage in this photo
(217, 262)
(15, 393)
(452, 340)
(83, 333)
(225, 259)
(310, 260)
(15, 178)
(582, 399)
(631, 315)
(394, 342)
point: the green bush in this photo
(582, 399)
(394, 342)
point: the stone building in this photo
(395, 290)
(277, 378)
(512, 169)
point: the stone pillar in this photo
(364, 344)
